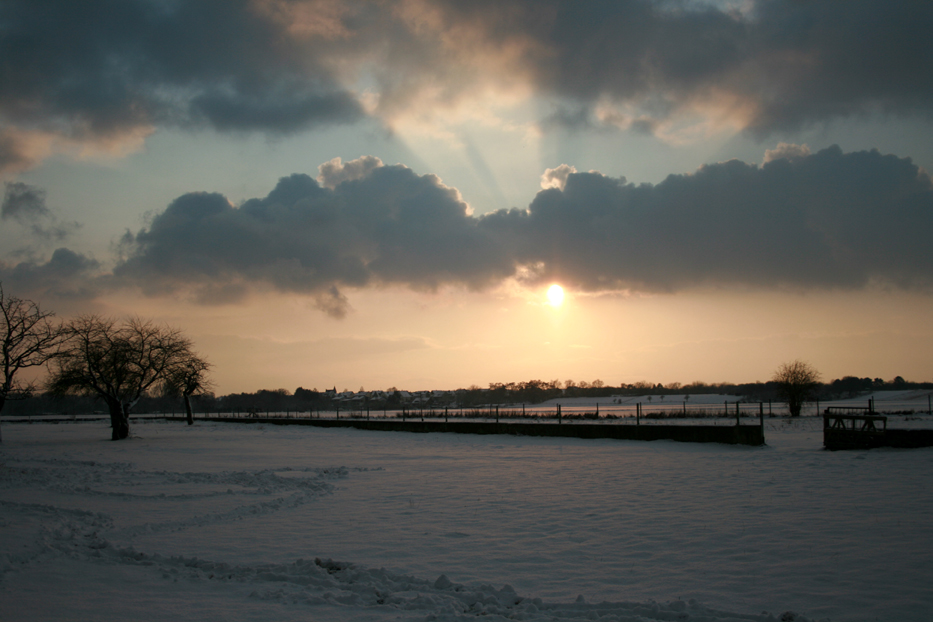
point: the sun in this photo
(555, 295)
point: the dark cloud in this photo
(332, 302)
(823, 60)
(803, 221)
(66, 274)
(827, 220)
(26, 205)
(279, 112)
(778, 65)
(389, 226)
(100, 69)
(23, 202)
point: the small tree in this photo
(118, 363)
(186, 378)
(796, 382)
(28, 338)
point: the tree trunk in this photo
(125, 420)
(188, 409)
(119, 420)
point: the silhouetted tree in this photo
(796, 382)
(187, 377)
(850, 386)
(306, 395)
(28, 338)
(118, 363)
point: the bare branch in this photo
(28, 338)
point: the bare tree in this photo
(28, 338)
(796, 382)
(118, 363)
(188, 377)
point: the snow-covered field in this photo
(239, 522)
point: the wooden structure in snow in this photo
(852, 427)
(842, 430)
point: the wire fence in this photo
(661, 411)
(710, 414)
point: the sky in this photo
(367, 194)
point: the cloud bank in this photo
(104, 74)
(388, 226)
(802, 221)
(827, 220)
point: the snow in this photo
(261, 522)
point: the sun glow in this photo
(555, 295)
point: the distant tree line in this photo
(511, 393)
(536, 391)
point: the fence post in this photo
(497, 413)
(638, 413)
(558, 415)
(737, 422)
(761, 415)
